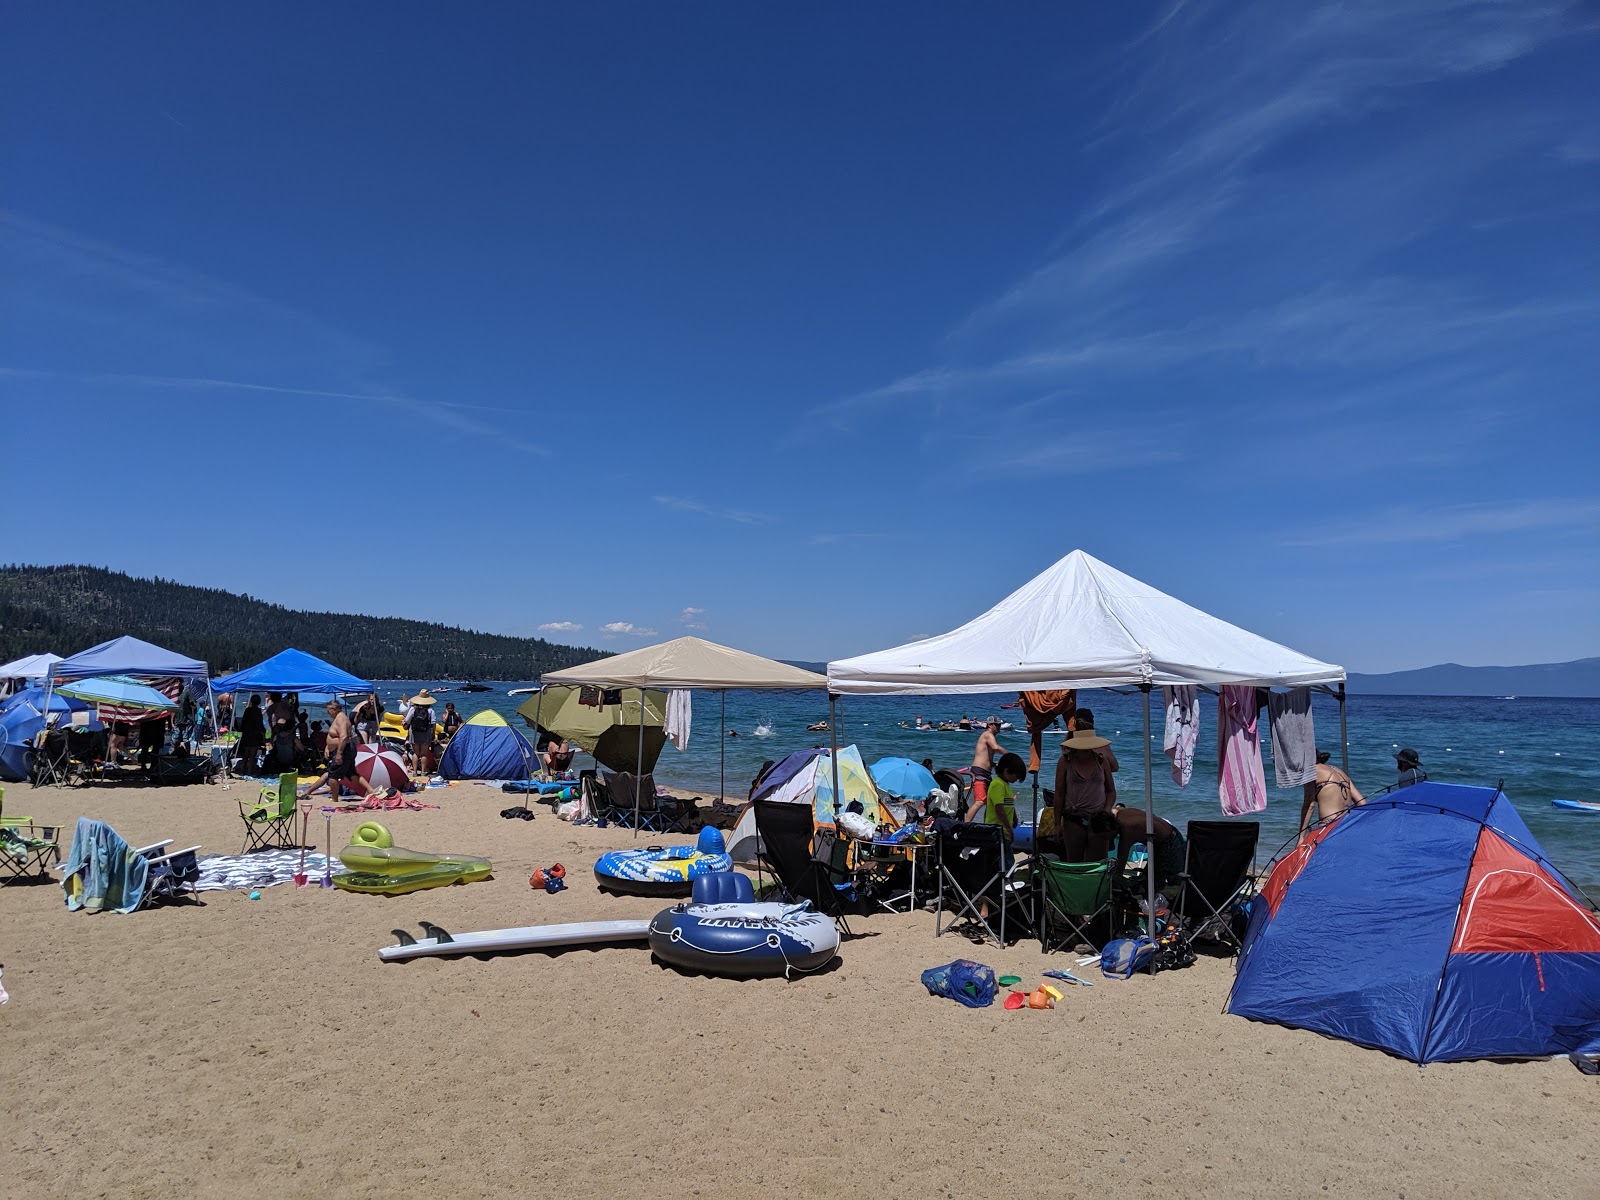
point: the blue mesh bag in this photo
(1121, 958)
(963, 981)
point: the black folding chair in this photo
(1217, 879)
(976, 862)
(51, 761)
(804, 866)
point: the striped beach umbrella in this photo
(381, 767)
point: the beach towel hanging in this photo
(679, 714)
(1241, 779)
(1183, 731)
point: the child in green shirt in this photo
(999, 807)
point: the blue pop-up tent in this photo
(128, 656)
(488, 748)
(1427, 923)
(292, 671)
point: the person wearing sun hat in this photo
(1410, 767)
(1081, 795)
(420, 727)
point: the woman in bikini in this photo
(1328, 795)
(1081, 793)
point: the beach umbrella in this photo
(118, 690)
(381, 767)
(902, 777)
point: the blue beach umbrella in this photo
(902, 777)
(118, 690)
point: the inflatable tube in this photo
(663, 871)
(395, 884)
(744, 940)
(1588, 806)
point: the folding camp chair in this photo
(28, 851)
(1218, 877)
(269, 822)
(51, 762)
(170, 876)
(1072, 896)
(806, 871)
(973, 862)
(654, 816)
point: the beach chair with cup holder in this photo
(806, 861)
(1072, 897)
(653, 815)
(52, 762)
(269, 819)
(169, 877)
(1218, 878)
(973, 865)
(27, 849)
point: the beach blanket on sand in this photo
(267, 868)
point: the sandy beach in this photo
(261, 1045)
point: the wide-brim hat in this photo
(423, 697)
(1084, 740)
(1408, 755)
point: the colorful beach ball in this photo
(381, 767)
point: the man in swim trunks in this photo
(1328, 795)
(341, 753)
(983, 755)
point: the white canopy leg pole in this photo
(722, 786)
(1149, 827)
(833, 737)
(638, 768)
(1344, 735)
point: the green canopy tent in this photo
(612, 733)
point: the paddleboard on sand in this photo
(528, 937)
(1581, 805)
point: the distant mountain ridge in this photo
(70, 608)
(1579, 678)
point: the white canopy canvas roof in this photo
(1081, 624)
(689, 662)
(30, 666)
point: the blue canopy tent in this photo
(1427, 923)
(134, 657)
(292, 671)
(22, 716)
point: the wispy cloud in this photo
(738, 516)
(628, 628)
(830, 539)
(560, 627)
(690, 618)
(1458, 522)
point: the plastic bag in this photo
(1121, 958)
(963, 981)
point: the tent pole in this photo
(722, 786)
(833, 737)
(538, 711)
(1344, 733)
(638, 769)
(1149, 828)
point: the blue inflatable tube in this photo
(663, 870)
(744, 939)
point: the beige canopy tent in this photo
(691, 662)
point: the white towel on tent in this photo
(1183, 731)
(676, 726)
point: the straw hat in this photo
(1083, 739)
(424, 697)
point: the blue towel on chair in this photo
(101, 874)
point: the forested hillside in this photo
(67, 609)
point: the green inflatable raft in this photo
(374, 864)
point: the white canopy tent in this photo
(691, 662)
(1083, 624)
(30, 668)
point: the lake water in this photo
(1541, 748)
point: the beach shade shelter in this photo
(1427, 923)
(382, 767)
(292, 671)
(691, 662)
(118, 692)
(1083, 624)
(133, 657)
(610, 733)
(23, 715)
(904, 778)
(30, 668)
(485, 747)
(807, 777)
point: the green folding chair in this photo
(1072, 896)
(269, 822)
(27, 850)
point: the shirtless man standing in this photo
(340, 749)
(983, 756)
(1329, 794)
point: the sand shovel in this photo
(305, 830)
(327, 862)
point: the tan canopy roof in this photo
(690, 662)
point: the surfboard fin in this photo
(433, 931)
(405, 938)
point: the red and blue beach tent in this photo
(1427, 923)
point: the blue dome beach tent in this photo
(1427, 923)
(22, 716)
(488, 748)
(292, 671)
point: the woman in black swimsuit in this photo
(1328, 795)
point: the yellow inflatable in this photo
(374, 864)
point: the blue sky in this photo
(817, 328)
